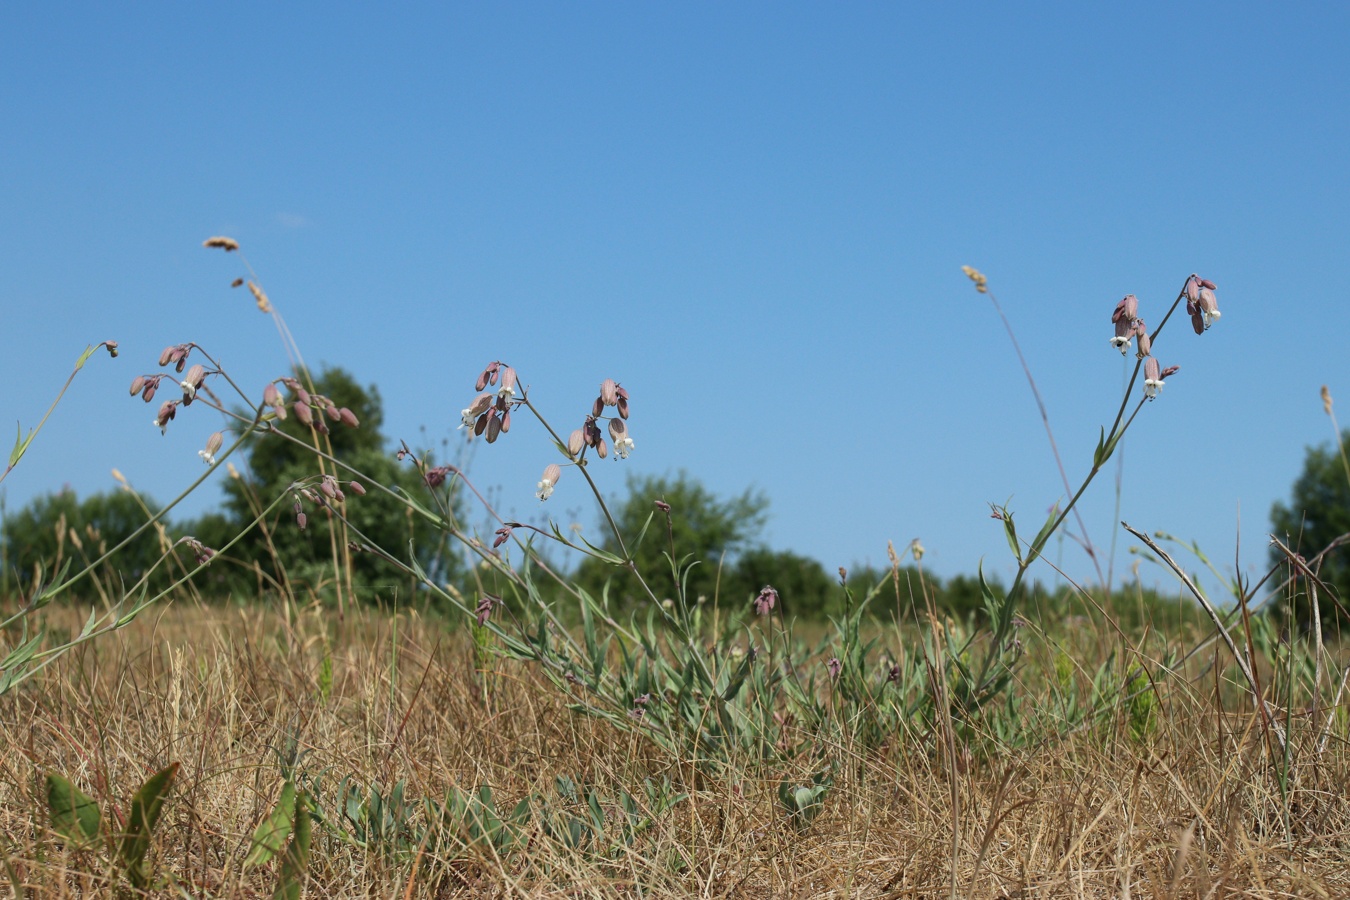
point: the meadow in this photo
(518, 730)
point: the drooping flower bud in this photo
(1127, 309)
(271, 396)
(349, 418)
(137, 385)
(575, 442)
(303, 413)
(609, 392)
(766, 600)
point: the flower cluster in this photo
(589, 434)
(1201, 305)
(490, 413)
(326, 493)
(309, 409)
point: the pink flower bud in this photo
(1145, 345)
(168, 355)
(112, 348)
(480, 425)
(213, 443)
(494, 427)
(271, 396)
(137, 385)
(349, 418)
(1169, 371)
(1126, 309)
(600, 449)
(597, 407)
(506, 421)
(834, 666)
(575, 442)
(552, 472)
(1206, 283)
(508, 379)
(356, 488)
(303, 413)
(333, 413)
(622, 405)
(302, 395)
(302, 520)
(608, 392)
(150, 388)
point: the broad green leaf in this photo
(295, 861)
(270, 835)
(146, 805)
(74, 813)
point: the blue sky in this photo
(752, 215)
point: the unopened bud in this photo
(356, 488)
(112, 348)
(494, 426)
(271, 396)
(575, 443)
(167, 356)
(600, 449)
(333, 413)
(137, 385)
(608, 392)
(349, 418)
(303, 412)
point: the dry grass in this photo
(1195, 811)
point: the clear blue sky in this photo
(752, 215)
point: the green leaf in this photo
(146, 805)
(20, 445)
(1038, 543)
(270, 835)
(84, 357)
(295, 861)
(1010, 531)
(74, 813)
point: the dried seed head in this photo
(264, 305)
(981, 283)
(1326, 400)
(238, 282)
(227, 244)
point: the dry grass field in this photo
(1194, 808)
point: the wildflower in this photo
(508, 380)
(623, 444)
(663, 506)
(1121, 340)
(484, 609)
(834, 666)
(192, 383)
(552, 472)
(165, 415)
(503, 535)
(436, 477)
(893, 674)
(766, 600)
(212, 448)
(200, 551)
(1127, 309)
(1201, 303)
(1153, 379)
(475, 409)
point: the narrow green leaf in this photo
(74, 813)
(84, 357)
(1010, 530)
(146, 805)
(271, 834)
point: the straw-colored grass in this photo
(1193, 811)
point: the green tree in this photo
(1317, 514)
(706, 530)
(283, 553)
(53, 528)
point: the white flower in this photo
(1120, 343)
(207, 457)
(189, 391)
(162, 426)
(1152, 386)
(623, 446)
(545, 489)
(466, 418)
(506, 392)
